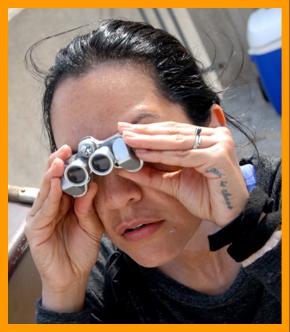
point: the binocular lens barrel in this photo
(102, 161)
(76, 174)
(98, 157)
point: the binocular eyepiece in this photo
(98, 157)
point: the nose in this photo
(119, 192)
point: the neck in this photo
(196, 267)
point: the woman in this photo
(185, 241)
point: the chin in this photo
(152, 260)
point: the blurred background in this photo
(237, 48)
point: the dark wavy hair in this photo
(176, 73)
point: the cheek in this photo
(167, 245)
(178, 234)
(160, 251)
(105, 218)
(100, 205)
(108, 217)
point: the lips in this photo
(136, 225)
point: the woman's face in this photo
(91, 105)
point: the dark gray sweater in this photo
(121, 291)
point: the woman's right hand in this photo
(64, 236)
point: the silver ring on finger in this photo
(197, 139)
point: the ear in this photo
(217, 116)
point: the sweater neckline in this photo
(159, 282)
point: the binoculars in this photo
(97, 157)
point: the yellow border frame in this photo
(4, 326)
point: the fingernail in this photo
(124, 124)
(128, 133)
(57, 160)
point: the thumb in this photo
(85, 211)
(166, 182)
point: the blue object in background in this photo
(269, 67)
(249, 174)
(264, 38)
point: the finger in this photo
(64, 152)
(219, 157)
(166, 142)
(85, 211)
(55, 171)
(50, 207)
(166, 128)
(65, 205)
(198, 159)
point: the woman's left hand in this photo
(207, 181)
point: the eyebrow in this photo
(144, 115)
